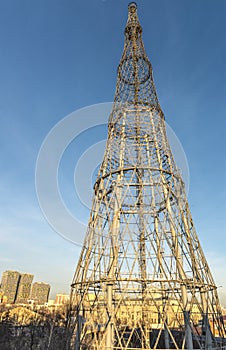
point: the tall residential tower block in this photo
(9, 285)
(24, 288)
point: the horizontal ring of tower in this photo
(129, 107)
(176, 282)
(140, 80)
(133, 29)
(119, 170)
(132, 6)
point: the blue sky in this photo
(58, 56)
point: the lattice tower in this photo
(142, 280)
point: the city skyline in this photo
(18, 288)
(45, 79)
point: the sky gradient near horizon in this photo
(59, 56)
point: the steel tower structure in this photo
(142, 280)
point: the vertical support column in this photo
(78, 332)
(206, 327)
(205, 322)
(145, 343)
(109, 333)
(188, 334)
(114, 245)
(163, 310)
(176, 250)
(166, 336)
(111, 274)
(187, 323)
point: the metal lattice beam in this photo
(142, 280)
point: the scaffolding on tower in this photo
(142, 280)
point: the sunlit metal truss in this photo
(142, 280)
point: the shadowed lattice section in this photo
(142, 280)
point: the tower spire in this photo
(133, 20)
(135, 83)
(142, 280)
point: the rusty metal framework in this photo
(142, 280)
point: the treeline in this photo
(49, 333)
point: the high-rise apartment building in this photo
(62, 299)
(24, 288)
(9, 285)
(40, 292)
